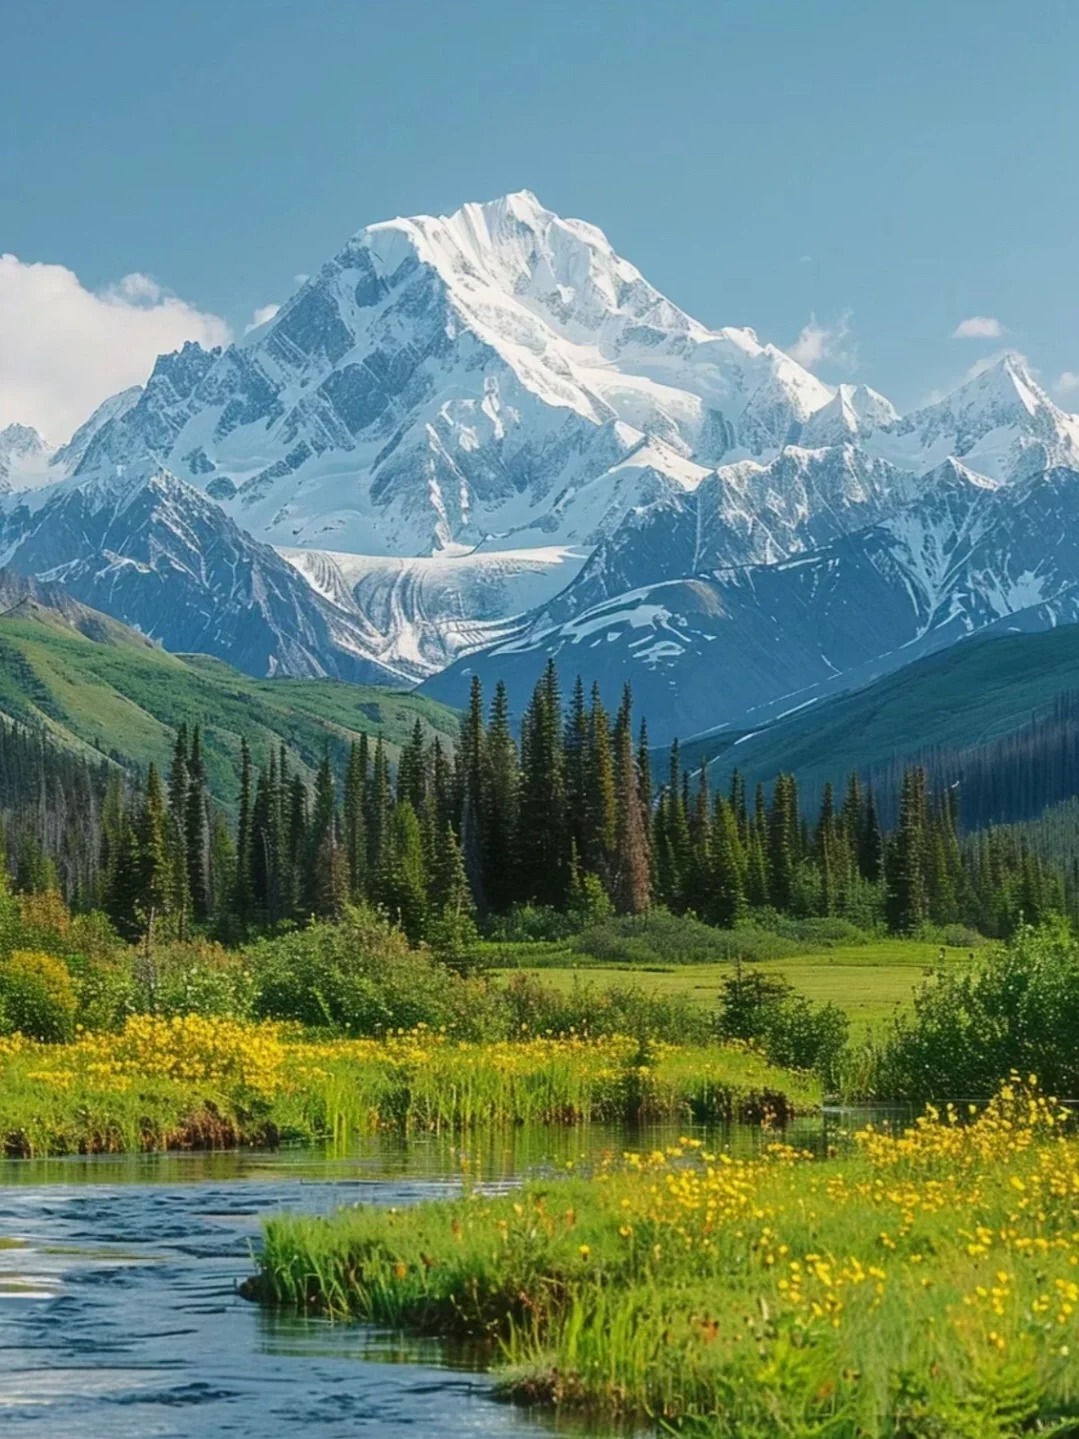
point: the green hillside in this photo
(969, 695)
(97, 686)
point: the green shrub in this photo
(1013, 1008)
(952, 936)
(790, 1029)
(586, 1010)
(37, 995)
(360, 977)
(812, 931)
(529, 923)
(195, 977)
(661, 939)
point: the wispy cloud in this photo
(979, 327)
(1067, 383)
(261, 315)
(66, 348)
(818, 343)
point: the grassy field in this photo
(868, 981)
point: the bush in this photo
(195, 977)
(529, 923)
(1014, 1009)
(37, 996)
(534, 1009)
(816, 931)
(660, 939)
(952, 936)
(360, 977)
(790, 1029)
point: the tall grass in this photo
(192, 1081)
(925, 1287)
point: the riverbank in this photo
(925, 1284)
(193, 1082)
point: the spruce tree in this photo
(197, 831)
(404, 883)
(379, 816)
(729, 879)
(871, 843)
(355, 833)
(242, 899)
(499, 805)
(599, 820)
(782, 841)
(155, 867)
(908, 902)
(644, 769)
(631, 881)
(544, 836)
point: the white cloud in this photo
(261, 315)
(64, 349)
(301, 278)
(979, 327)
(817, 343)
(1067, 383)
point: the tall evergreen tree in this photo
(155, 867)
(500, 800)
(598, 828)
(405, 883)
(197, 831)
(728, 889)
(908, 899)
(783, 830)
(544, 836)
(631, 881)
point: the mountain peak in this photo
(24, 457)
(21, 440)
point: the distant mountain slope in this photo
(738, 648)
(961, 699)
(95, 684)
(161, 555)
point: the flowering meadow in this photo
(922, 1285)
(195, 1081)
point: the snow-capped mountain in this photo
(24, 458)
(738, 647)
(161, 556)
(458, 381)
(488, 432)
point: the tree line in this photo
(564, 813)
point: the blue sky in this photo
(890, 169)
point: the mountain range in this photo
(471, 443)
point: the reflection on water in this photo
(118, 1307)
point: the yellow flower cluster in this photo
(981, 1209)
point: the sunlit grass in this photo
(923, 1286)
(197, 1082)
(869, 982)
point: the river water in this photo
(119, 1316)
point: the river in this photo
(120, 1319)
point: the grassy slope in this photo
(973, 692)
(121, 696)
(868, 981)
